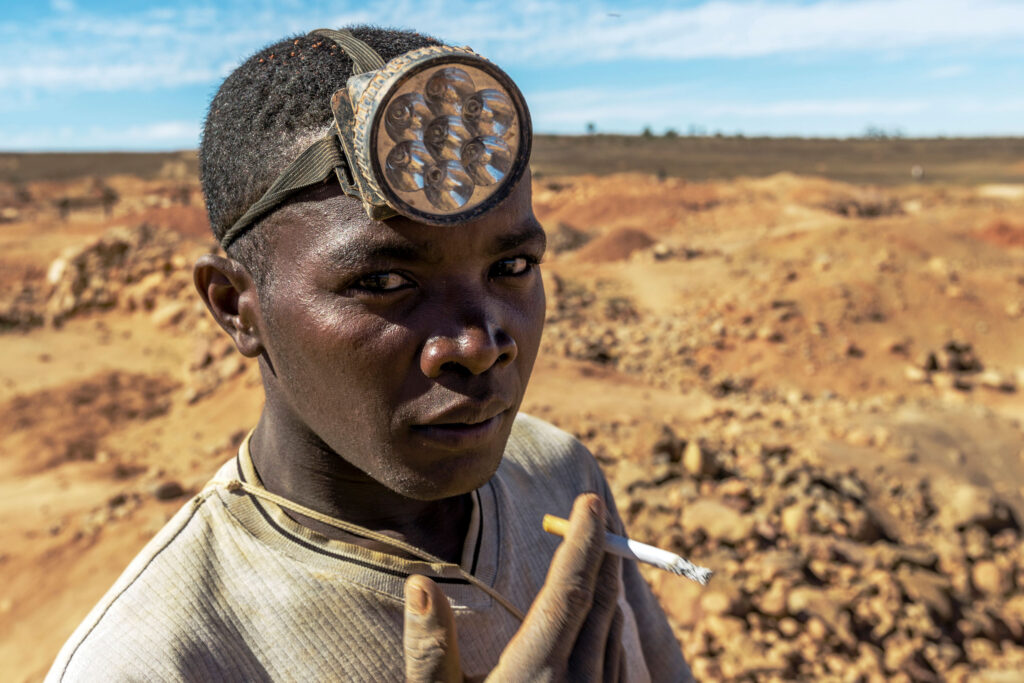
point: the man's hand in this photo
(573, 630)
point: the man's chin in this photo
(452, 476)
(445, 461)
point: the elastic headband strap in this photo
(313, 165)
(322, 157)
(364, 57)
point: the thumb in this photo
(431, 648)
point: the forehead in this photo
(324, 225)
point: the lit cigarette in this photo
(628, 548)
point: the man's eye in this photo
(520, 265)
(382, 282)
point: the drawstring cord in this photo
(236, 485)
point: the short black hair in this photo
(265, 113)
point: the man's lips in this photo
(466, 414)
(464, 426)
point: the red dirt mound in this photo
(619, 200)
(616, 245)
(189, 221)
(78, 416)
(1003, 233)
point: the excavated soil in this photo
(812, 387)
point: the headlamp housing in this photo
(438, 134)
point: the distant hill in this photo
(886, 162)
(24, 167)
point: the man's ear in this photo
(230, 294)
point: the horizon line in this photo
(886, 137)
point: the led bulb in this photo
(445, 136)
(406, 117)
(486, 159)
(406, 165)
(489, 112)
(448, 186)
(447, 88)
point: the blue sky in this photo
(138, 75)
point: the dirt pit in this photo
(616, 245)
(810, 387)
(1002, 232)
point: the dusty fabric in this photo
(234, 590)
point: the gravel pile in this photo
(821, 573)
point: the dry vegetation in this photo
(809, 385)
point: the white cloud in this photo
(183, 45)
(949, 71)
(730, 28)
(163, 132)
(568, 110)
(179, 45)
(157, 135)
(818, 108)
(144, 75)
(1010, 106)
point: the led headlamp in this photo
(439, 135)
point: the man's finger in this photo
(560, 608)
(614, 662)
(431, 648)
(588, 656)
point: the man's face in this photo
(405, 348)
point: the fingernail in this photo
(418, 599)
(596, 506)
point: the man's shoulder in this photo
(133, 625)
(540, 451)
(534, 439)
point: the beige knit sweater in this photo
(233, 590)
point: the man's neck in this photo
(303, 469)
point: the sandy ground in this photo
(866, 330)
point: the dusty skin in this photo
(811, 387)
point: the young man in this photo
(383, 519)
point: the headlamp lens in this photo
(445, 137)
(448, 186)
(447, 88)
(406, 117)
(406, 165)
(487, 159)
(489, 112)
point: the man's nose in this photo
(475, 346)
